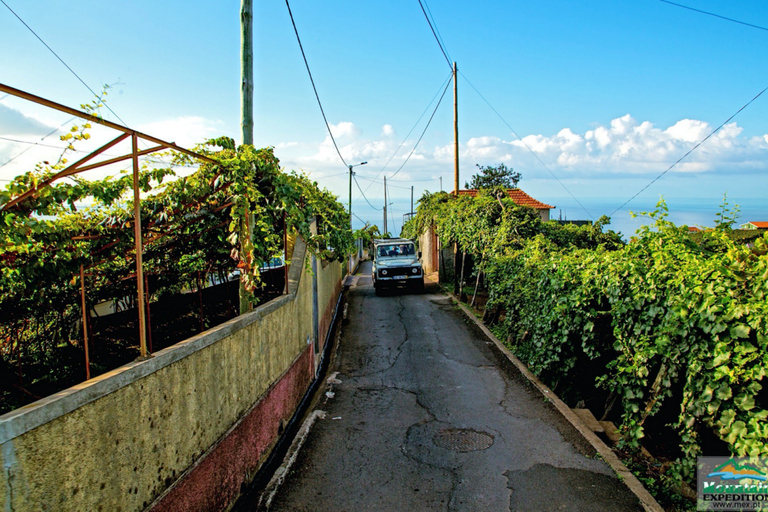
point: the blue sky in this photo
(606, 94)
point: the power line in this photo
(702, 141)
(715, 15)
(18, 141)
(363, 194)
(435, 34)
(388, 185)
(439, 35)
(423, 132)
(304, 56)
(34, 143)
(447, 80)
(62, 61)
(528, 147)
(358, 218)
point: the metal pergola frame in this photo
(80, 166)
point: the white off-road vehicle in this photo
(396, 263)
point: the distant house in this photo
(755, 225)
(693, 229)
(520, 198)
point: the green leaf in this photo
(740, 331)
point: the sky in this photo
(590, 101)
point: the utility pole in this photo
(441, 183)
(455, 131)
(411, 200)
(350, 191)
(246, 69)
(385, 204)
(246, 106)
(456, 255)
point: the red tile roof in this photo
(760, 224)
(517, 195)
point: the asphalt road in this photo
(422, 413)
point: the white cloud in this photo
(184, 131)
(14, 122)
(689, 130)
(620, 148)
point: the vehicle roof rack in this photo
(391, 240)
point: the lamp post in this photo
(350, 191)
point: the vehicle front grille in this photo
(399, 271)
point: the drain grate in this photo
(463, 440)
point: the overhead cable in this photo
(363, 194)
(62, 61)
(715, 15)
(304, 56)
(528, 147)
(702, 141)
(436, 38)
(34, 143)
(439, 36)
(423, 132)
(447, 80)
(388, 184)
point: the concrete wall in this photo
(182, 430)
(329, 286)
(428, 245)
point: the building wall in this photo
(182, 430)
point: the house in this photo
(755, 225)
(520, 198)
(429, 243)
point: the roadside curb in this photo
(606, 453)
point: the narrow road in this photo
(423, 413)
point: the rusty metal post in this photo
(139, 248)
(85, 323)
(149, 314)
(285, 253)
(200, 300)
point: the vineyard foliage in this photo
(666, 317)
(224, 216)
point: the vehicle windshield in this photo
(395, 250)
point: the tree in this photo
(494, 176)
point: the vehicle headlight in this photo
(384, 272)
(415, 270)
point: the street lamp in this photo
(350, 191)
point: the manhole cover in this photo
(463, 440)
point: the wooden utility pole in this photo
(455, 131)
(246, 69)
(385, 204)
(456, 256)
(246, 106)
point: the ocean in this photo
(699, 212)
